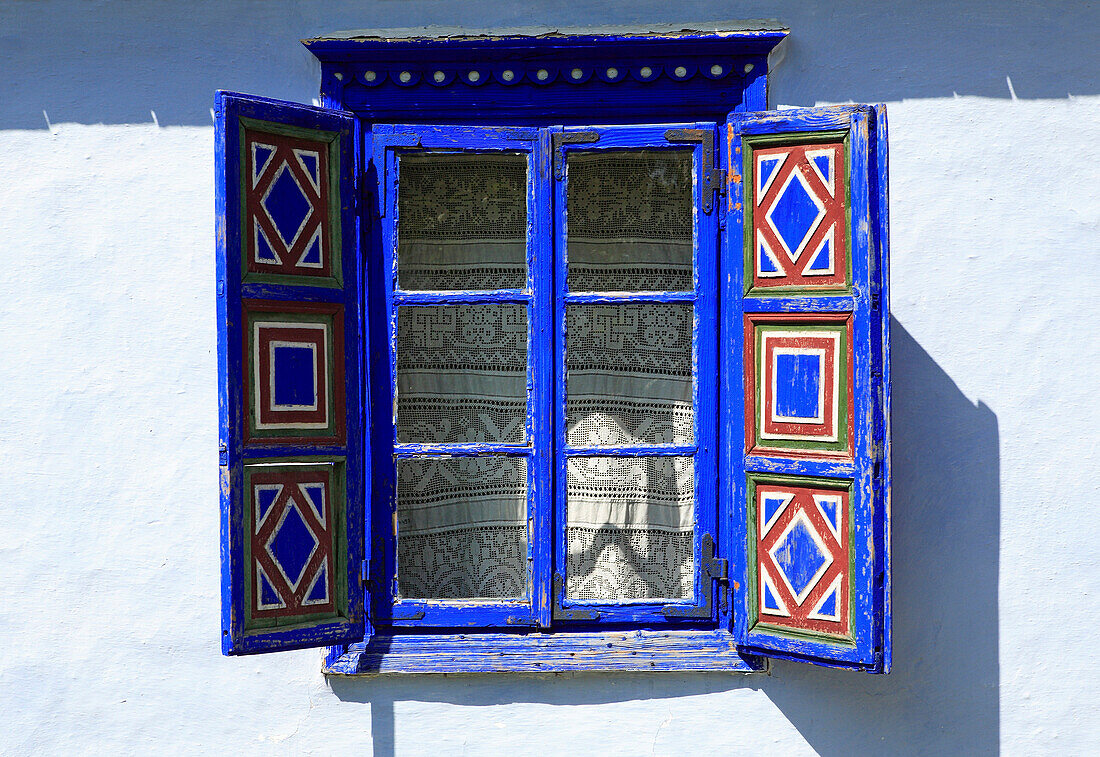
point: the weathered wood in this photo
(669, 651)
(845, 623)
(319, 307)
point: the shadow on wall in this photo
(943, 696)
(117, 62)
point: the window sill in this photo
(628, 651)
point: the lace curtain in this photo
(462, 522)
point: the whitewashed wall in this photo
(108, 523)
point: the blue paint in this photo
(294, 375)
(771, 506)
(705, 378)
(263, 154)
(312, 255)
(767, 168)
(268, 595)
(770, 602)
(824, 164)
(310, 163)
(265, 498)
(823, 260)
(264, 253)
(319, 592)
(287, 205)
(797, 386)
(828, 607)
(766, 264)
(831, 509)
(386, 608)
(556, 97)
(799, 557)
(292, 545)
(316, 494)
(794, 214)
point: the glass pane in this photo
(462, 373)
(628, 374)
(629, 221)
(462, 527)
(462, 222)
(630, 527)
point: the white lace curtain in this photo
(462, 522)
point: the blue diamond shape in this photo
(292, 545)
(287, 205)
(794, 215)
(799, 557)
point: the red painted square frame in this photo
(757, 446)
(337, 430)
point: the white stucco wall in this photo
(108, 523)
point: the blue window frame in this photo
(776, 365)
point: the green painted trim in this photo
(845, 379)
(335, 214)
(338, 508)
(330, 349)
(755, 623)
(748, 243)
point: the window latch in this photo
(560, 138)
(564, 613)
(715, 568)
(711, 177)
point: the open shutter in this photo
(806, 333)
(289, 360)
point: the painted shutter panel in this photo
(289, 357)
(807, 336)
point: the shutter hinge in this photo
(716, 568)
(560, 138)
(403, 139)
(364, 574)
(563, 613)
(712, 178)
(223, 455)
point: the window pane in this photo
(628, 374)
(462, 527)
(630, 527)
(462, 222)
(630, 221)
(462, 373)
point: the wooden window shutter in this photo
(806, 334)
(289, 362)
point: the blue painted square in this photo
(294, 376)
(797, 386)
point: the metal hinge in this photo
(223, 455)
(403, 139)
(563, 613)
(715, 568)
(560, 138)
(712, 177)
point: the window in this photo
(593, 377)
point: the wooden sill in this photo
(667, 651)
